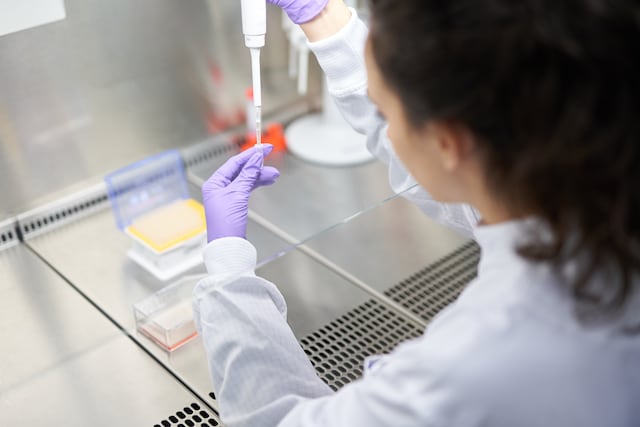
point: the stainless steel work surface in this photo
(188, 362)
(307, 198)
(43, 321)
(315, 294)
(64, 363)
(387, 244)
(394, 244)
(92, 254)
(113, 384)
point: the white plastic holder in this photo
(326, 138)
(171, 262)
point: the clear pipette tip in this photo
(259, 132)
(257, 94)
(259, 129)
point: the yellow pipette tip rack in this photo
(170, 225)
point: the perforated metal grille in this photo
(8, 234)
(63, 211)
(337, 350)
(434, 287)
(192, 415)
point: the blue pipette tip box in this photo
(146, 185)
(151, 204)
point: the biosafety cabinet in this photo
(90, 87)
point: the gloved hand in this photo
(226, 193)
(301, 11)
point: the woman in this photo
(519, 119)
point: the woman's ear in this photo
(454, 144)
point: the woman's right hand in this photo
(301, 11)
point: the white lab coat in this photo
(507, 353)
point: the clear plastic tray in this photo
(166, 317)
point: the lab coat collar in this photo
(499, 245)
(507, 236)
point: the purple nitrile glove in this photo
(225, 195)
(301, 11)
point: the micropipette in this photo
(254, 28)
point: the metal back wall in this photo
(117, 81)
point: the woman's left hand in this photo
(226, 193)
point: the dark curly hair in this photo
(551, 90)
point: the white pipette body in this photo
(254, 28)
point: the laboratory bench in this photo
(347, 254)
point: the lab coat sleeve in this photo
(341, 57)
(258, 370)
(262, 377)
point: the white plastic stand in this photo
(325, 138)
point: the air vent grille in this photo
(63, 211)
(8, 234)
(337, 350)
(192, 415)
(431, 289)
